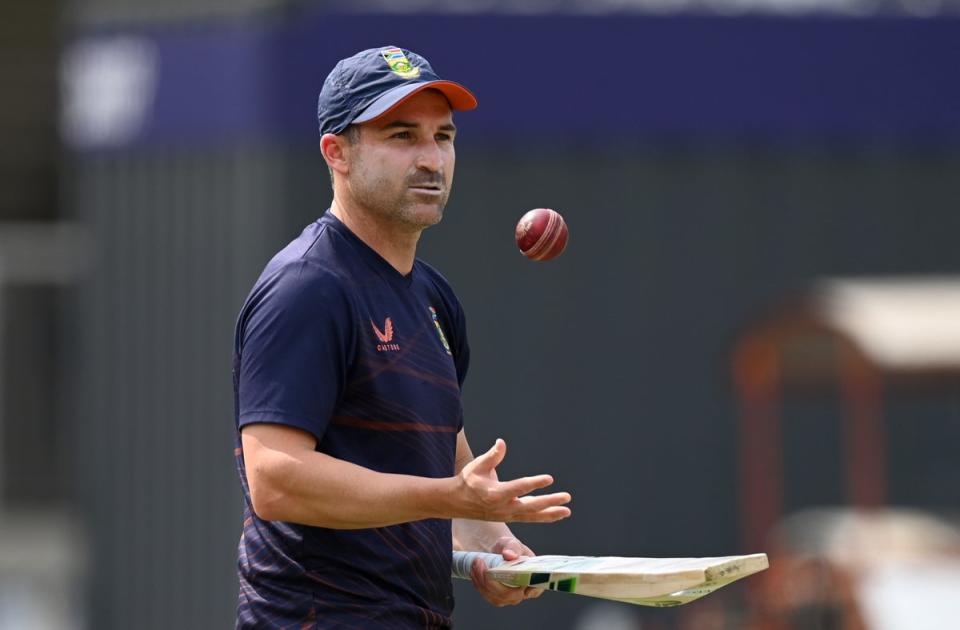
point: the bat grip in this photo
(462, 561)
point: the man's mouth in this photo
(428, 189)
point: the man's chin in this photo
(425, 214)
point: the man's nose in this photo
(430, 157)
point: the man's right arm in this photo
(290, 481)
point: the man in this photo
(350, 356)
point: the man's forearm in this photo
(290, 481)
(312, 488)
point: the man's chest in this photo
(403, 357)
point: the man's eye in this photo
(444, 137)
(402, 135)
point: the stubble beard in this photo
(399, 205)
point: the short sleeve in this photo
(461, 349)
(294, 349)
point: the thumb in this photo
(492, 458)
(510, 548)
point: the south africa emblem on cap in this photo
(399, 63)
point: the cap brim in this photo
(460, 98)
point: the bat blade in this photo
(641, 581)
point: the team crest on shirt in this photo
(443, 337)
(399, 64)
(385, 336)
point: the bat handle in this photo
(462, 560)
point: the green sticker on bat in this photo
(568, 585)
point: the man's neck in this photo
(395, 245)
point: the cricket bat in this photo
(657, 582)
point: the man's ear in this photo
(335, 151)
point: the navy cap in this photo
(374, 81)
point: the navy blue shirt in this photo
(334, 341)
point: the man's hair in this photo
(352, 134)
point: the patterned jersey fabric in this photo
(332, 340)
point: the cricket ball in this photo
(541, 234)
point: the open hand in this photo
(486, 498)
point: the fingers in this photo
(492, 500)
(543, 501)
(510, 554)
(492, 458)
(549, 515)
(545, 508)
(494, 592)
(491, 590)
(511, 548)
(524, 485)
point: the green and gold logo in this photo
(399, 63)
(443, 337)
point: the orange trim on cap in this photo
(460, 98)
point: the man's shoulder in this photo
(311, 246)
(293, 279)
(310, 258)
(307, 274)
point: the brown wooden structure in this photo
(859, 337)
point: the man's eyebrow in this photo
(405, 124)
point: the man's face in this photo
(401, 168)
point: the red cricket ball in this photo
(541, 234)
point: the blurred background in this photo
(752, 342)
